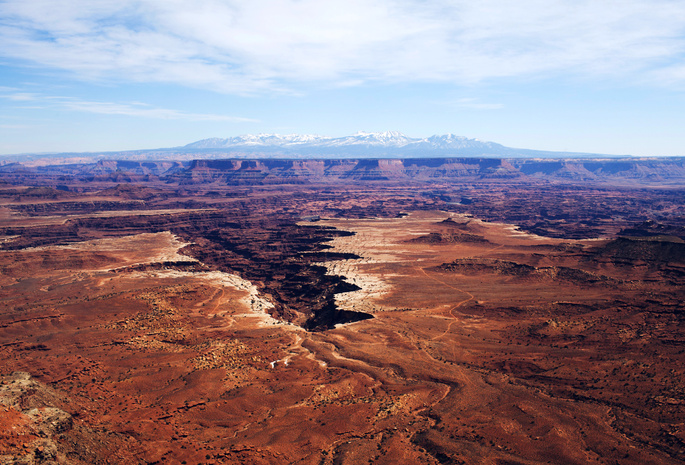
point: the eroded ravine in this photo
(450, 343)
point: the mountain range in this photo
(374, 145)
(390, 144)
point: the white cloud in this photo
(247, 46)
(474, 104)
(136, 109)
(14, 126)
(20, 96)
(145, 111)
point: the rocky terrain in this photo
(368, 311)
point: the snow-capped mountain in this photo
(267, 140)
(367, 145)
(382, 139)
(389, 139)
(385, 139)
(390, 144)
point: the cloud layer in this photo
(255, 46)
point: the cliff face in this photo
(305, 171)
(361, 169)
(643, 169)
(427, 169)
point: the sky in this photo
(598, 76)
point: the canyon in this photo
(394, 311)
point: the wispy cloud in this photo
(20, 96)
(135, 109)
(474, 104)
(145, 111)
(14, 126)
(248, 46)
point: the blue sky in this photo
(602, 76)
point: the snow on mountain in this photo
(388, 138)
(257, 140)
(373, 139)
(450, 141)
(390, 144)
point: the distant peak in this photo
(384, 134)
(362, 143)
